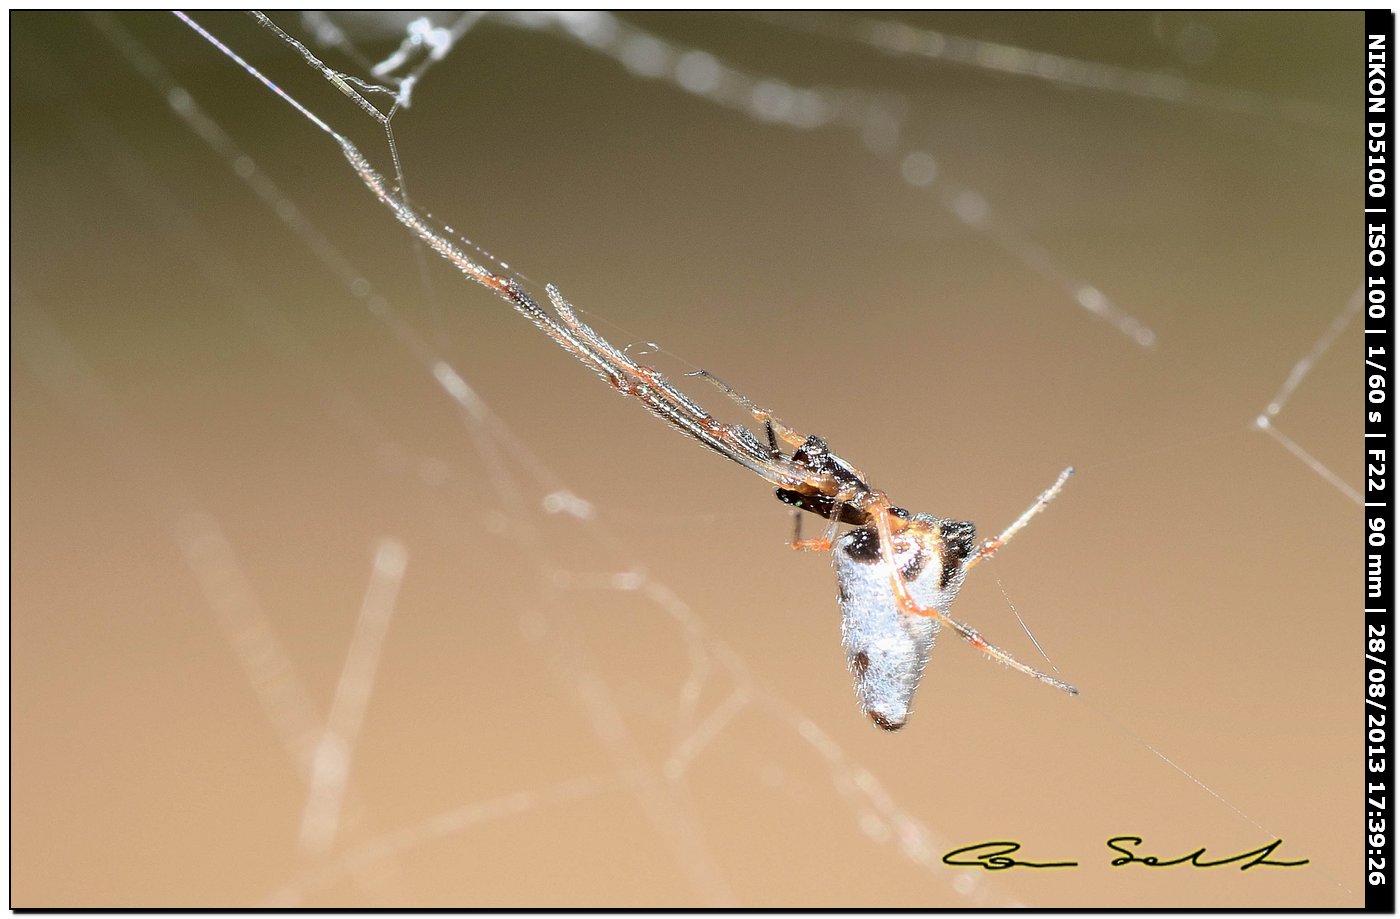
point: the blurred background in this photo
(293, 624)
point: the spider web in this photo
(521, 645)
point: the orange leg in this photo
(789, 435)
(991, 546)
(823, 542)
(966, 632)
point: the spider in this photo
(897, 572)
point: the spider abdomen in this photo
(887, 648)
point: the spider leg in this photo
(771, 422)
(990, 547)
(789, 435)
(659, 396)
(664, 400)
(820, 543)
(796, 511)
(966, 632)
(823, 542)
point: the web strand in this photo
(906, 41)
(877, 119)
(1304, 366)
(320, 822)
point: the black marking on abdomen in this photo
(951, 567)
(863, 545)
(959, 539)
(882, 722)
(916, 564)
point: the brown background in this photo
(211, 434)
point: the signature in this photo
(1250, 859)
(996, 855)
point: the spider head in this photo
(845, 480)
(816, 456)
